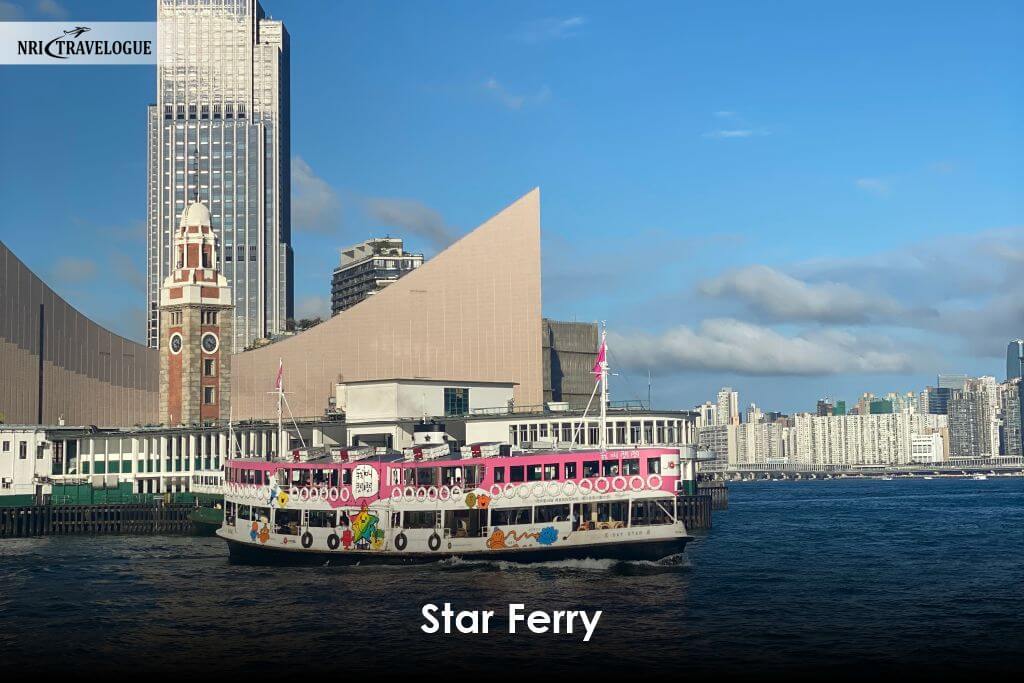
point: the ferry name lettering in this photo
(557, 622)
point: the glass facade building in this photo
(220, 130)
(1015, 359)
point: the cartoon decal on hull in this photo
(365, 533)
(501, 540)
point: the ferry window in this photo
(229, 513)
(451, 475)
(663, 511)
(287, 522)
(261, 514)
(590, 468)
(611, 468)
(551, 471)
(612, 515)
(244, 512)
(474, 475)
(410, 476)
(639, 514)
(552, 513)
(566, 432)
(457, 523)
(654, 466)
(543, 431)
(419, 520)
(346, 477)
(631, 466)
(533, 473)
(570, 470)
(322, 519)
(334, 477)
(509, 516)
(426, 476)
(515, 473)
(499, 475)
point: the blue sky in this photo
(797, 199)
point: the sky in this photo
(797, 199)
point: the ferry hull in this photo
(646, 550)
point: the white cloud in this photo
(10, 12)
(783, 297)
(728, 345)
(74, 270)
(511, 100)
(552, 28)
(412, 216)
(315, 204)
(313, 307)
(875, 186)
(734, 127)
(52, 9)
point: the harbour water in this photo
(839, 576)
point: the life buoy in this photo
(602, 485)
(333, 494)
(333, 541)
(432, 493)
(409, 492)
(636, 483)
(619, 484)
(434, 542)
(307, 540)
(396, 493)
(401, 541)
(495, 490)
(304, 495)
(509, 491)
(553, 488)
(569, 488)
(538, 489)
(457, 492)
(344, 494)
(293, 492)
(654, 481)
(523, 491)
(421, 494)
(314, 494)
(586, 486)
(444, 493)
(324, 492)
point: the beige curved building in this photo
(56, 363)
(471, 313)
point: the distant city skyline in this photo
(795, 222)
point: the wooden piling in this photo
(63, 520)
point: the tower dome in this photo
(196, 215)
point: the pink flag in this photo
(280, 374)
(601, 353)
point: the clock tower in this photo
(196, 312)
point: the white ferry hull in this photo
(636, 550)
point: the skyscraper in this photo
(219, 133)
(1015, 359)
(728, 412)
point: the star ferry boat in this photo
(428, 504)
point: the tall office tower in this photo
(368, 267)
(707, 414)
(952, 381)
(728, 407)
(220, 129)
(974, 419)
(1015, 359)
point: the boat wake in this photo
(672, 563)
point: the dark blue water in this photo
(837, 577)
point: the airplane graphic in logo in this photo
(76, 31)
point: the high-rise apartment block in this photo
(728, 412)
(974, 419)
(368, 267)
(219, 132)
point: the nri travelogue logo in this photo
(108, 42)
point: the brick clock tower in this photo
(196, 312)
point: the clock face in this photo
(209, 342)
(175, 343)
